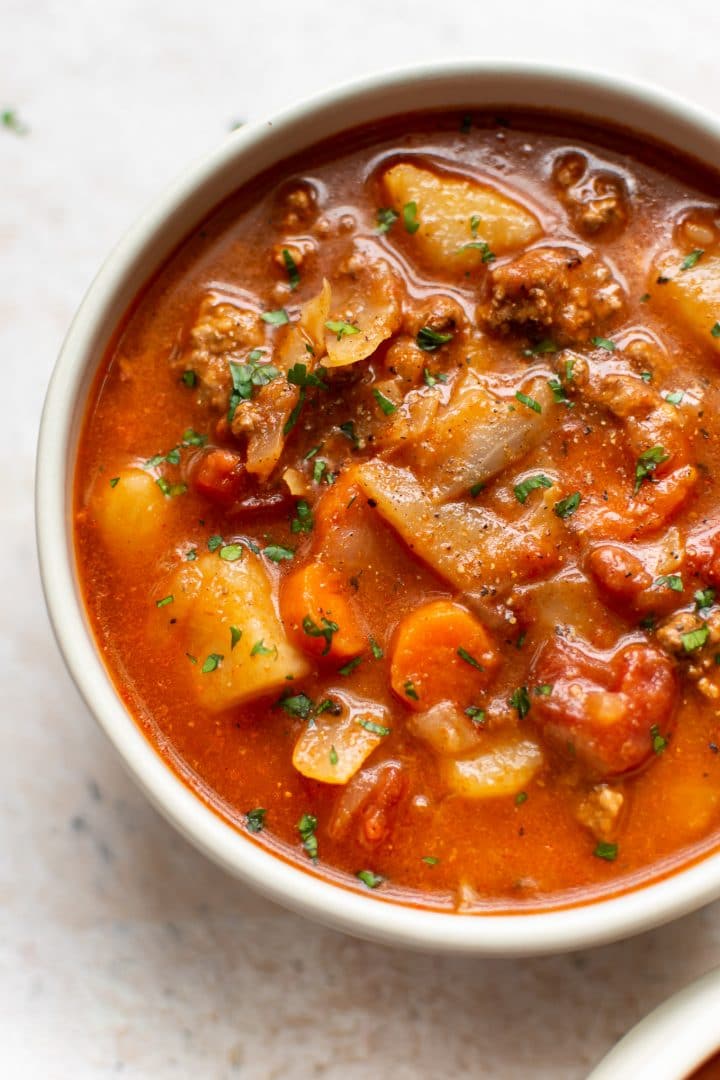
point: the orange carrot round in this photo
(319, 613)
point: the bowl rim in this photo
(518, 934)
(673, 1040)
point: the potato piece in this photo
(211, 596)
(333, 749)
(368, 300)
(445, 207)
(505, 766)
(445, 728)
(131, 513)
(692, 295)
(477, 436)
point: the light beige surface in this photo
(122, 951)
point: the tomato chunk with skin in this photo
(442, 652)
(603, 713)
(320, 615)
(221, 477)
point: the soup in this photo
(397, 518)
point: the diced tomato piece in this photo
(221, 477)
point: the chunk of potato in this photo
(214, 602)
(334, 748)
(503, 767)
(692, 295)
(130, 510)
(446, 206)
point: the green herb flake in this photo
(695, 639)
(488, 255)
(532, 483)
(325, 631)
(675, 397)
(692, 259)
(644, 298)
(477, 488)
(431, 860)
(566, 507)
(12, 122)
(604, 343)
(375, 649)
(347, 669)
(606, 851)
(215, 542)
(170, 491)
(410, 220)
(318, 470)
(292, 270)
(530, 402)
(114, 481)
(433, 378)
(303, 520)
(295, 414)
(715, 332)
(373, 727)
(545, 346)
(370, 879)
(429, 340)
(341, 328)
(558, 393)
(387, 406)
(165, 601)
(704, 598)
(466, 656)
(475, 224)
(543, 690)
(647, 463)
(410, 691)
(191, 555)
(333, 757)
(298, 375)
(213, 662)
(246, 377)
(235, 635)
(191, 658)
(255, 819)
(261, 649)
(297, 705)
(520, 798)
(230, 552)
(276, 318)
(670, 581)
(520, 701)
(385, 218)
(277, 553)
(476, 714)
(659, 742)
(306, 826)
(348, 430)
(646, 376)
(189, 377)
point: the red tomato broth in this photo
(501, 852)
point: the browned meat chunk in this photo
(596, 199)
(221, 332)
(550, 292)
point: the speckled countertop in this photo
(122, 950)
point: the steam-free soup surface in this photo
(397, 515)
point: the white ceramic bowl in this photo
(175, 214)
(673, 1041)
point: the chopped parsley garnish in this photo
(604, 343)
(170, 490)
(432, 378)
(347, 669)
(532, 483)
(306, 826)
(477, 488)
(670, 581)
(476, 714)
(189, 377)
(333, 757)
(261, 649)
(12, 122)
(543, 690)
(566, 507)
(213, 661)
(191, 555)
(646, 376)
(545, 346)
(529, 401)
(303, 520)
(230, 552)
(235, 635)
(291, 267)
(192, 438)
(644, 298)
(245, 377)
(520, 798)
(375, 649)
(520, 701)
(607, 851)
(558, 393)
(431, 860)
(373, 727)
(659, 742)
(326, 630)
(704, 598)
(342, 329)
(482, 246)
(429, 340)
(385, 218)
(675, 397)
(695, 639)
(369, 878)
(387, 406)
(277, 553)
(715, 332)
(165, 601)
(469, 659)
(295, 414)
(348, 430)
(191, 658)
(410, 220)
(276, 318)
(215, 542)
(318, 470)
(475, 224)
(410, 691)
(298, 375)
(255, 819)
(647, 463)
(692, 259)
(297, 705)
(114, 481)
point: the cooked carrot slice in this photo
(319, 613)
(442, 652)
